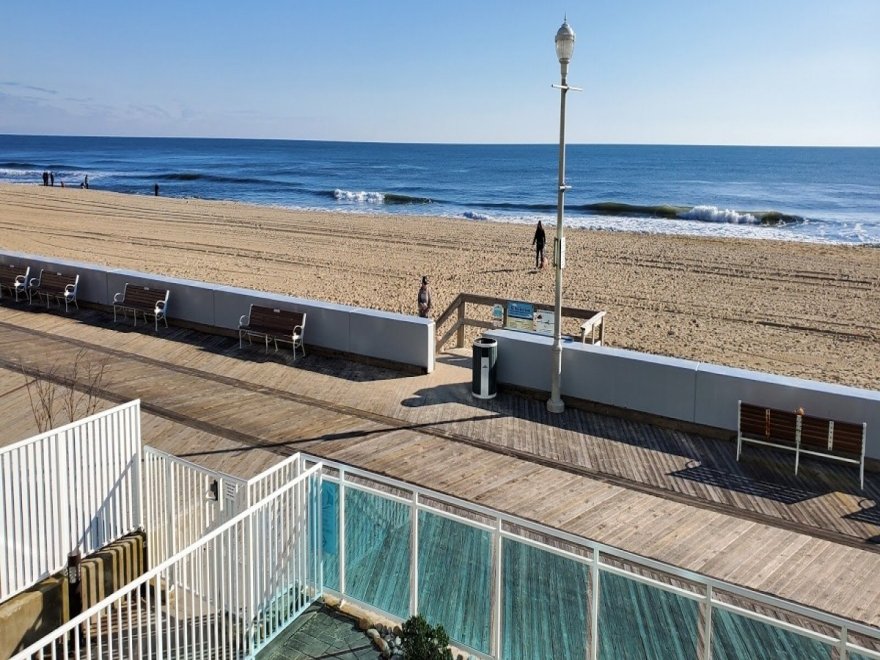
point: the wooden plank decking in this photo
(674, 496)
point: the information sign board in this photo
(544, 321)
(520, 316)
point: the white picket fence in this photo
(75, 487)
(225, 596)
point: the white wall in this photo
(678, 389)
(408, 340)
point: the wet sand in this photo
(789, 308)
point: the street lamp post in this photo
(564, 50)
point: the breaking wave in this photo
(364, 197)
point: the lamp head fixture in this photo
(564, 45)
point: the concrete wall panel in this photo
(92, 279)
(390, 336)
(654, 384)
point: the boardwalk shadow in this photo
(317, 362)
(760, 473)
(748, 485)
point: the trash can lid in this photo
(485, 341)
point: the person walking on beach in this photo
(52, 179)
(86, 182)
(425, 299)
(538, 241)
(156, 189)
(45, 178)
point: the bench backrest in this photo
(9, 272)
(779, 426)
(143, 296)
(846, 437)
(55, 281)
(275, 320)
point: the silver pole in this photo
(555, 403)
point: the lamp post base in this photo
(555, 405)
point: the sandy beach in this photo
(796, 309)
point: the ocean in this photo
(814, 194)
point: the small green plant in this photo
(422, 641)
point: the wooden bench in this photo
(15, 279)
(802, 434)
(143, 300)
(274, 325)
(52, 284)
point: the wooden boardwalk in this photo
(677, 497)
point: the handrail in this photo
(459, 304)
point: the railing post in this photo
(594, 606)
(459, 335)
(706, 625)
(497, 588)
(842, 652)
(414, 557)
(341, 532)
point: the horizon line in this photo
(451, 143)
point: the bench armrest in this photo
(70, 289)
(119, 297)
(244, 320)
(20, 279)
(160, 305)
(34, 283)
(297, 330)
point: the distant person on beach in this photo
(52, 179)
(86, 182)
(45, 178)
(156, 189)
(425, 299)
(538, 241)
(62, 183)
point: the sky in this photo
(753, 72)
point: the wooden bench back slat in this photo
(819, 435)
(814, 433)
(142, 296)
(848, 437)
(9, 272)
(274, 320)
(54, 281)
(779, 426)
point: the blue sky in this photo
(787, 72)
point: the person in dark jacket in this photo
(538, 241)
(425, 299)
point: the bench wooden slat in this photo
(149, 301)
(14, 278)
(9, 273)
(817, 436)
(54, 284)
(273, 324)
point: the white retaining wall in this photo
(678, 389)
(371, 333)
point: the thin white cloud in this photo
(30, 88)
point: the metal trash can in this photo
(485, 371)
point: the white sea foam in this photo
(361, 197)
(714, 214)
(473, 215)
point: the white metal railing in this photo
(75, 487)
(599, 559)
(183, 502)
(225, 596)
(272, 479)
